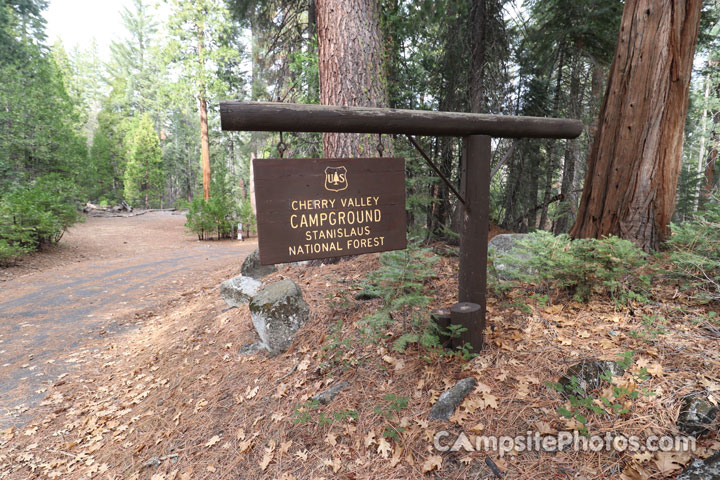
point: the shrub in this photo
(36, 215)
(694, 253)
(581, 267)
(198, 218)
(246, 215)
(214, 217)
(400, 282)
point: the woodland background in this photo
(76, 129)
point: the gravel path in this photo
(105, 276)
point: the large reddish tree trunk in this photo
(351, 64)
(635, 160)
(204, 148)
(202, 105)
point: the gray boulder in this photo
(588, 375)
(278, 311)
(239, 290)
(251, 348)
(708, 469)
(696, 415)
(500, 246)
(328, 395)
(251, 266)
(449, 401)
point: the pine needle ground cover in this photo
(175, 400)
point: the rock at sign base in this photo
(696, 415)
(278, 311)
(328, 395)
(239, 290)
(449, 401)
(588, 375)
(708, 469)
(251, 266)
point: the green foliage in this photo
(581, 267)
(36, 215)
(651, 327)
(306, 413)
(246, 215)
(694, 253)
(213, 217)
(144, 176)
(583, 403)
(401, 283)
(393, 404)
(336, 347)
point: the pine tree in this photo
(144, 175)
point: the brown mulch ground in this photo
(174, 400)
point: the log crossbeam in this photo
(476, 130)
(290, 117)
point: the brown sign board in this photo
(311, 208)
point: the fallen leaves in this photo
(384, 448)
(333, 464)
(432, 462)
(331, 439)
(668, 462)
(268, 455)
(214, 440)
(369, 438)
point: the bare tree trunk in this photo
(352, 73)
(550, 172)
(701, 154)
(572, 153)
(478, 42)
(712, 178)
(204, 137)
(636, 156)
(205, 148)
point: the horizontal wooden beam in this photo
(290, 117)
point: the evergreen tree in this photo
(144, 176)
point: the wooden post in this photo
(472, 276)
(470, 316)
(441, 317)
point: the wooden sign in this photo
(310, 208)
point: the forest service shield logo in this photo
(336, 179)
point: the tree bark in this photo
(636, 156)
(478, 42)
(572, 153)
(352, 71)
(551, 167)
(204, 137)
(205, 148)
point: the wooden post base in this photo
(470, 316)
(441, 317)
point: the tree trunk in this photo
(636, 156)
(205, 148)
(350, 60)
(313, 83)
(550, 172)
(712, 178)
(572, 153)
(478, 42)
(204, 138)
(701, 168)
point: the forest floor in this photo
(174, 398)
(105, 276)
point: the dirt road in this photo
(105, 276)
